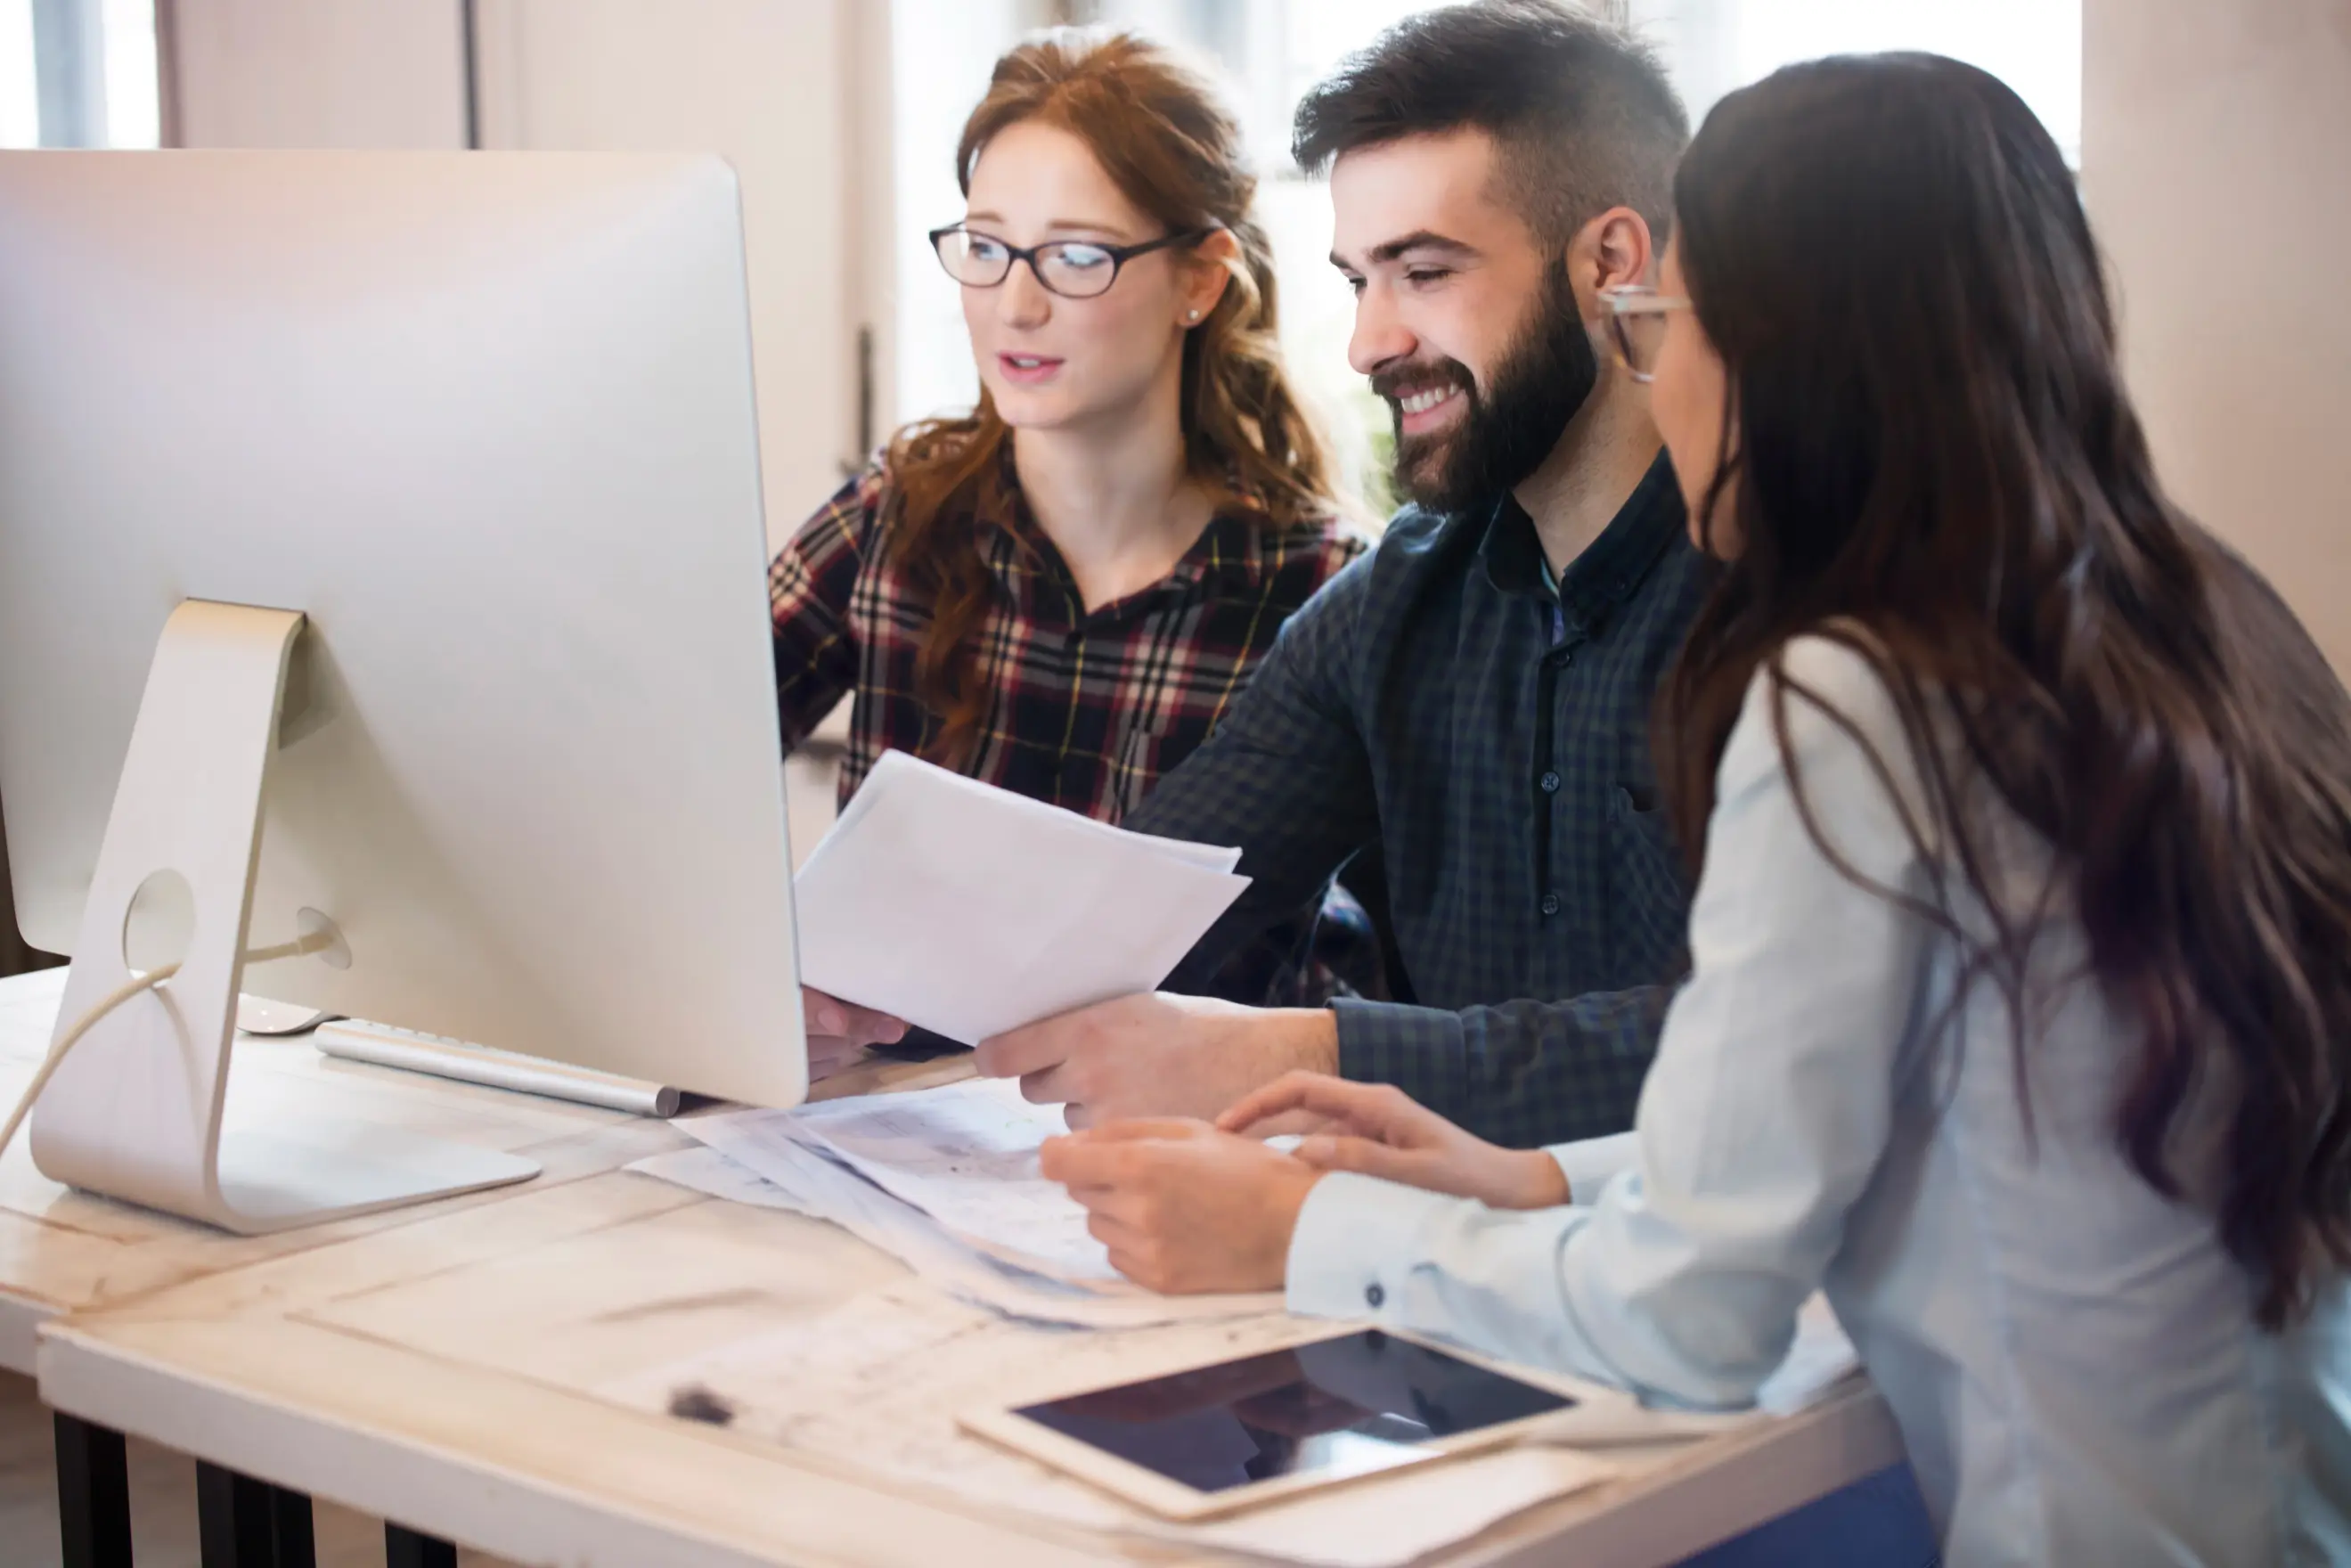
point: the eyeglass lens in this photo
(1638, 336)
(1072, 268)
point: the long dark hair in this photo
(1928, 455)
(1167, 141)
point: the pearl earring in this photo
(1191, 314)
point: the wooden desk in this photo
(438, 1373)
(61, 1250)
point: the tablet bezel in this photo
(1173, 1499)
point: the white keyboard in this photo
(355, 1040)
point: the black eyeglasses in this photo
(1072, 268)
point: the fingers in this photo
(1136, 1253)
(1340, 1152)
(1114, 1155)
(1291, 1125)
(1024, 1052)
(1292, 1094)
(831, 1016)
(1132, 1129)
(868, 1026)
(830, 1053)
(1115, 1232)
(1049, 1086)
(1079, 1161)
(1369, 1110)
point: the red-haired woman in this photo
(1062, 592)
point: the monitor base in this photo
(135, 1111)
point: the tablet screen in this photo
(1341, 1406)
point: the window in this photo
(2035, 45)
(79, 73)
(20, 90)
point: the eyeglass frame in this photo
(1623, 299)
(1119, 255)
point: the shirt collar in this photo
(1233, 548)
(1611, 568)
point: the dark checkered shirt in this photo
(1491, 738)
(1088, 710)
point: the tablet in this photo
(1213, 1439)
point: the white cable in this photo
(122, 994)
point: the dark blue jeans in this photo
(1879, 1521)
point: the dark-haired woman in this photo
(1061, 592)
(2020, 1016)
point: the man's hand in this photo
(1379, 1130)
(1159, 1055)
(838, 1031)
(1183, 1207)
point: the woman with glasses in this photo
(1062, 592)
(2020, 1012)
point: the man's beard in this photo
(1504, 433)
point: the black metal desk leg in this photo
(233, 1525)
(289, 1519)
(93, 1495)
(246, 1523)
(403, 1547)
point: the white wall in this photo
(2216, 161)
(315, 73)
(768, 84)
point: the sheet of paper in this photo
(969, 910)
(756, 1162)
(815, 1187)
(712, 1174)
(839, 1389)
(966, 1154)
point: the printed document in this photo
(969, 910)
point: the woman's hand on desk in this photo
(1183, 1207)
(838, 1031)
(1379, 1130)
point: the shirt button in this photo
(1375, 1296)
(1551, 904)
(1550, 782)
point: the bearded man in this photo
(1470, 703)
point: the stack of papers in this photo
(945, 1180)
(969, 910)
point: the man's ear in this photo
(1614, 247)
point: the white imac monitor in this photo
(383, 575)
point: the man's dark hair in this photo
(1580, 110)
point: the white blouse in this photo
(2072, 1358)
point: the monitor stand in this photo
(135, 1111)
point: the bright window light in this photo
(20, 90)
(2034, 45)
(133, 104)
(124, 107)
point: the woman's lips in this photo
(1028, 370)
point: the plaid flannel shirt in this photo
(1490, 736)
(1088, 710)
